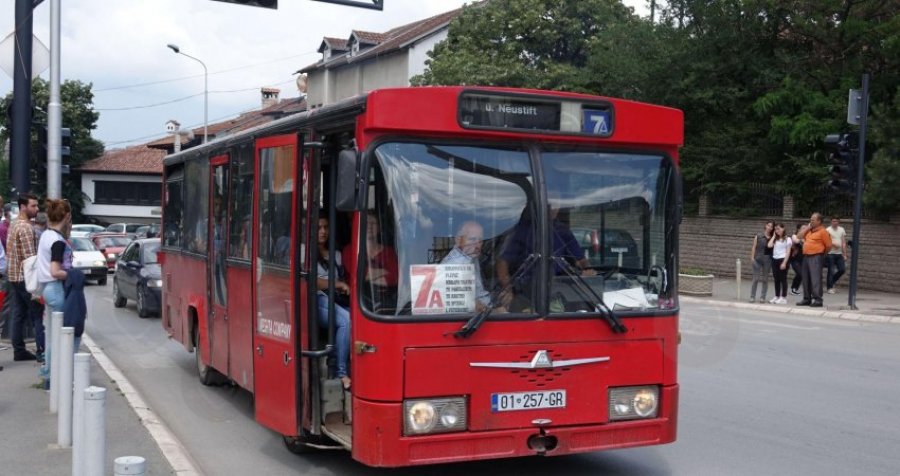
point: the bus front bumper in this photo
(393, 449)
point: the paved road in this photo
(761, 394)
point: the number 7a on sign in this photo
(425, 290)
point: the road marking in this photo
(169, 445)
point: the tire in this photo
(142, 305)
(208, 376)
(300, 445)
(101, 282)
(118, 299)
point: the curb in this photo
(171, 448)
(800, 311)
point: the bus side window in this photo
(241, 196)
(172, 231)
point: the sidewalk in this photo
(30, 430)
(872, 306)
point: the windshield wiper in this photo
(587, 292)
(472, 324)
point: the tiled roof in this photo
(136, 160)
(389, 41)
(337, 44)
(242, 122)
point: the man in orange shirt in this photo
(816, 243)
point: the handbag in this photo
(29, 267)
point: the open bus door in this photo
(274, 269)
(216, 278)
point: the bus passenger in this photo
(341, 314)
(381, 274)
(468, 241)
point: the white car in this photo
(87, 258)
(82, 231)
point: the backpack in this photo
(29, 267)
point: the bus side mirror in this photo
(347, 172)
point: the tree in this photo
(78, 115)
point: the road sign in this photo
(40, 56)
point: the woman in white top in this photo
(781, 244)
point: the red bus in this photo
(511, 258)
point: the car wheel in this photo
(118, 299)
(142, 304)
(101, 282)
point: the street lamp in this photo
(205, 88)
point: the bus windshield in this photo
(453, 229)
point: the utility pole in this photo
(54, 109)
(863, 107)
(20, 137)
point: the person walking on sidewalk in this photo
(20, 246)
(816, 243)
(797, 258)
(781, 249)
(837, 255)
(761, 257)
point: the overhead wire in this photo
(185, 98)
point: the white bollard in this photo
(64, 377)
(94, 431)
(130, 466)
(82, 379)
(737, 277)
(56, 320)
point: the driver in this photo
(521, 244)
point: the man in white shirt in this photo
(837, 255)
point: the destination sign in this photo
(503, 112)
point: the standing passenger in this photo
(341, 314)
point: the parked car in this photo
(606, 252)
(87, 258)
(129, 228)
(84, 230)
(111, 245)
(138, 277)
(148, 231)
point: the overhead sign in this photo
(596, 121)
(40, 56)
(442, 288)
(504, 112)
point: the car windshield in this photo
(150, 250)
(82, 244)
(132, 228)
(113, 242)
(452, 226)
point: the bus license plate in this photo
(505, 402)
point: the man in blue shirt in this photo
(468, 241)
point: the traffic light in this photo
(254, 3)
(841, 150)
(66, 140)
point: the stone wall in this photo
(713, 244)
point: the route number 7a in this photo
(427, 298)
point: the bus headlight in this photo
(436, 415)
(629, 403)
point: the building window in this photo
(127, 193)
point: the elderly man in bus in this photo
(467, 250)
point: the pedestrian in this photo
(797, 259)
(837, 255)
(781, 250)
(816, 243)
(761, 257)
(25, 310)
(39, 225)
(54, 263)
(5, 223)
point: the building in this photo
(125, 185)
(365, 60)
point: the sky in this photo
(139, 84)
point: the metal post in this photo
(82, 379)
(860, 178)
(54, 110)
(94, 431)
(130, 466)
(737, 277)
(64, 377)
(20, 130)
(56, 320)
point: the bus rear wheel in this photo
(208, 376)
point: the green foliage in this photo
(79, 116)
(761, 82)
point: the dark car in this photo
(138, 277)
(605, 249)
(111, 245)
